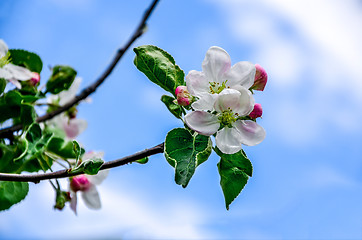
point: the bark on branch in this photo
(35, 178)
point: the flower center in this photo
(5, 60)
(216, 87)
(227, 118)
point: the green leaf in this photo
(26, 59)
(235, 170)
(34, 133)
(2, 85)
(62, 148)
(159, 66)
(185, 152)
(142, 160)
(174, 108)
(7, 157)
(90, 166)
(12, 193)
(27, 114)
(14, 105)
(33, 157)
(77, 150)
(61, 79)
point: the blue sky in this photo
(307, 172)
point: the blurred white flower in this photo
(68, 122)
(86, 185)
(9, 71)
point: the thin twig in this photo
(35, 178)
(5, 132)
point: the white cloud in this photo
(124, 213)
(321, 177)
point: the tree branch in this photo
(35, 178)
(6, 132)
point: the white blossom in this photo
(9, 71)
(218, 74)
(227, 121)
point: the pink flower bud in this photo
(35, 78)
(257, 111)
(261, 77)
(183, 96)
(80, 183)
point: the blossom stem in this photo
(36, 178)
(6, 132)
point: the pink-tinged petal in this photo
(74, 127)
(228, 140)
(206, 102)
(183, 96)
(99, 177)
(261, 78)
(80, 183)
(73, 201)
(251, 133)
(93, 154)
(257, 111)
(228, 99)
(202, 122)
(216, 63)
(196, 83)
(19, 73)
(91, 198)
(3, 48)
(16, 83)
(242, 73)
(35, 78)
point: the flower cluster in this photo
(222, 101)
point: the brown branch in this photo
(35, 178)
(6, 132)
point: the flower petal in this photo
(227, 99)
(66, 96)
(246, 102)
(73, 201)
(197, 83)
(93, 154)
(202, 122)
(16, 83)
(251, 133)
(73, 127)
(4, 73)
(205, 102)
(216, 63)
(242, 73)
(99, 177)
(3, 48)
(91, 198)
(228, 140)
(19, 73)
